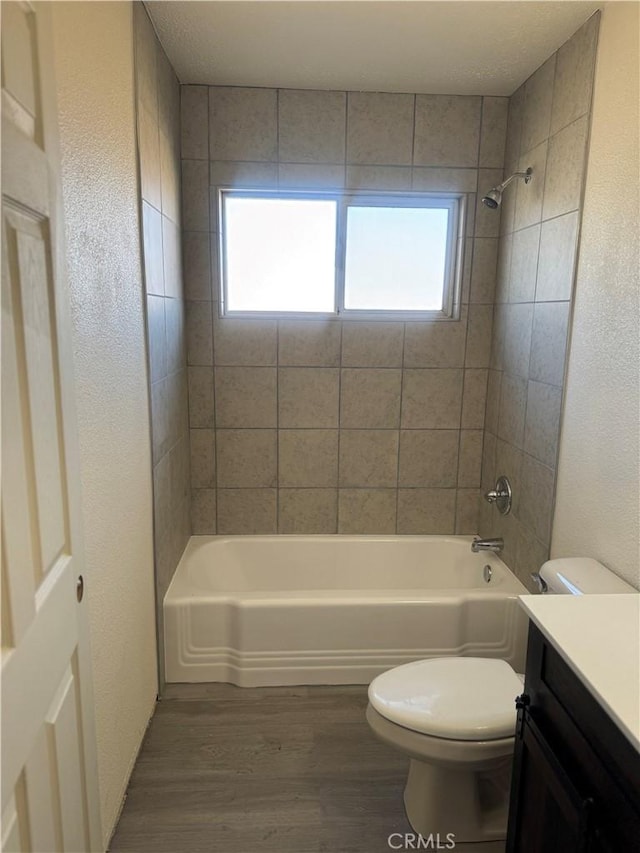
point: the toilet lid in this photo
(453, 698)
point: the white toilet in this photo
(455, 719)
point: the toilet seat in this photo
(459, 699)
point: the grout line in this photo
(402, 371)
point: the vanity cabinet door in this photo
(549, 813)
(576, 778)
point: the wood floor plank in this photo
(292, 770)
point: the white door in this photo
(49, 778)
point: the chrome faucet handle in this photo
(500, 496)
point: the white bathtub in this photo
(278, 610)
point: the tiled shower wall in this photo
(548, 130)
(158, 99)
(339, 426)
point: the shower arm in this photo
(525, 175)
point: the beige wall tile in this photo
(513, 401)
(176, 334)
(487, 221)
(194, 122)
(225, 173)
(157, 342)
(168, 99)
(152, 242)
(470, 462)
(203, 511)
(203, 458)
(514, 131)
(196, 257)
(380, 128)
(367, 511)
(549, 342)
(308, 397)
(474, 396)
(149, 147)
(368, 458)
(538, 92)
(479, 336)
(310, 176)
(370, 398)
(542, 424)
(443, 180)
(536, 502)
(493, 400)
(436, 344)
(162, 494)
(428, 457)
(524, 264)
(308, 458)
(508, 463)
(426, 511)
(431, 399)
(179, 465)
(529, 196)
(565, 169)
(311, 126)
(242, 123)
(170, 177)
(246, 458)
(447, 130)
(160, 427)
(503, 272)
(556, 264)
(378, 177)
(488, 461)
(307, 511)
(171, 259)
(574, 75)
(483, 275)
(145, 60)
(178, 405)
(201, 412)
(517, 337)
(531, 554)
(372, 344)
(247, 511)
(467, 505)
(195, 195)
(246, 397)
(493, 132)
(309, 343)
(199, 339)
(245, 342)
(496, 361)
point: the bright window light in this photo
(348, 254)
(396, 258)
(280, 254)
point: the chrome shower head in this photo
(493, 199)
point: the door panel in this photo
(49, 778)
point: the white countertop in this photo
(599, 638)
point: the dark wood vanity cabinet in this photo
(576, 777)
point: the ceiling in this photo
(466, 48)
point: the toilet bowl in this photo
(455, 719)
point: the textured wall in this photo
(597, 512)
(158, 112)
(318, 427)
(548, 130)
(94, 66)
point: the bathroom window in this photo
(323, 254)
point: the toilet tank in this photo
(580, 576)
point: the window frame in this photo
(455, 202)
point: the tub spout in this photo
(494, 545)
